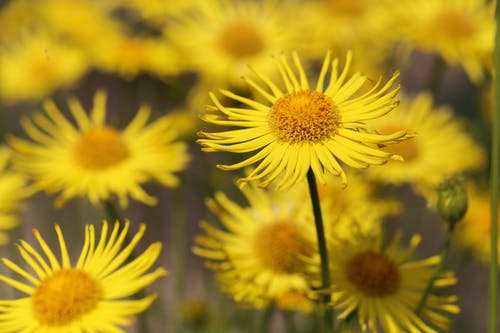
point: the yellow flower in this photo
(89, 296)
(300, 128)
(220, 38)
(12, 192)
(37, 64)
(461, 31)
(260, 254)
(474, 230)
(382, 286)
(95, 160)
(441, 148)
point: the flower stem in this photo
(438, 270)
(495, 184)
(323, 253)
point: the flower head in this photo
(383, 286)
(88, 296)
(95, 160)
(260, 254)
(295, 127)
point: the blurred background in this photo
(169, 55)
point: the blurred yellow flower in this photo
(441, 148)
(474, 230)
(95, 160)
(221, 38)
(461, 31)
(260, 255)
(89, 296)
(383, 286)
(36, 65)
(12, 192)
(299, 128)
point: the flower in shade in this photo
(441, 148)
(260, 253)
(382, 286)
(12, 192)
(95, 160)
(295, 128)
(87, 296)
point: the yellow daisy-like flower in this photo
(440, 149)
(37, 64)
(383, 286)
(461, 31)
(300, 128)
(12, 192)
(95, 160)
(227, 35)
(259, 254)
(89, 296)
(474, 230)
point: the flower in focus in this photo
(12, 192)
(441, 148)
(95, 160)
(383, 286)
(461, 31)
(261, 253)
(89, 296)
(299, 128)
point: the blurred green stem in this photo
(327, 326)
(494, 186)
(438, 270)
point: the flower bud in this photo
(452, 200)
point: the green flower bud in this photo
(452, 200)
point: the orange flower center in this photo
(240, 39)
(279, 247)
(346, 7)
(100, 148)
(374, 274)
(304, 116)
(452, 24)
(64, 296)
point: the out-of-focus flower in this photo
(382, 286)
(441, 148)
(474, 230)
(221, 38)
(461, 31)
(94, 160)
(36, 65)
(300, 127)
(261, 253)
(90, 295)
(12, 192)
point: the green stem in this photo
(494, 187)
(113, 216)
(267, 316)
(438, 270)
(323, 253)
(290, 322)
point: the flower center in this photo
(64, 296)
(452, 24)
(240, 39)
(99, 148)
(374, 274)
(346, 7)
(304, 116)
(279, 247)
